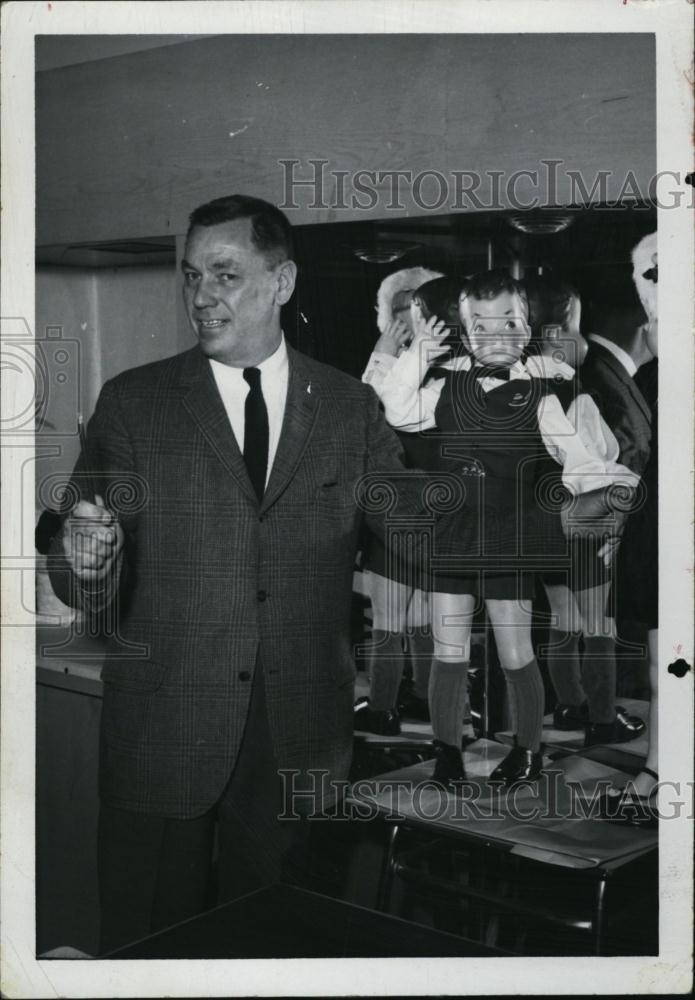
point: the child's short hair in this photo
(549, 302)
(491, 284)
(440, 298)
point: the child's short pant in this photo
(488, 585)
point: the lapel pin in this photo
(308, 388)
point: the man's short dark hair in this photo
(549, 301)
(270, 229)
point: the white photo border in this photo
(670, 971)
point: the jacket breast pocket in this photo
(336, 494)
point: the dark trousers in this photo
(154, 871)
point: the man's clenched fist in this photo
(92, 540)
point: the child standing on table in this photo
(585, 691)
(498, 412)
(393, 589)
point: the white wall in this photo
(93, 324)
(139, 139)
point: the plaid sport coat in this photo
(211, 579)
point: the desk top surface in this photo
(543, 821)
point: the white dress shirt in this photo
(234, 389)
(579, 440)
(618, 353)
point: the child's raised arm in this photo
(398, 381)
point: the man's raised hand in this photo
(92, 540)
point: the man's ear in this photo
(286, 278)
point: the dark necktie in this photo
(255, 432)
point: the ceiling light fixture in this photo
(383, 253)
(542, 222)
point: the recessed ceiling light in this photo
(383, 253)
(540, 223)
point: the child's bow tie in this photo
(492, 371)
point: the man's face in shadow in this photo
(233, 293)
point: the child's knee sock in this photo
(564, 667)
(447, 700)
(598, 677)
(385, 669)
(513, 708)
(420, 643)
(529, 695)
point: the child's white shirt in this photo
(579, 440)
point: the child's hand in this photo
(609, 550)
(393, 339)
(433, 332)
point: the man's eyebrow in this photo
(224, 263)
(219, 265)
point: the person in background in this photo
(555, 311)
(399, 604)
(555, 315)
(497, 411)
(636, 581)
(434, 307)
(617, 348)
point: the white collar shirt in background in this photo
(234, 389)
(618, 353)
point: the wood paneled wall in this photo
(126, 146)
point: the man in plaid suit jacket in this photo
(240, 606)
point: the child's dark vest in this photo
(509, 513)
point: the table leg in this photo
(386, 880)
(600, 906)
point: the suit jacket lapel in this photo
(639, 399)
(204, 404)
(625, 379)
(301, 411)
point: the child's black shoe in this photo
(519, 765)
(448, 770)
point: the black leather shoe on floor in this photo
(622, 729)
(569, 717)
(519, 765)
(380, 722)
(448, 770)
(630, 722)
